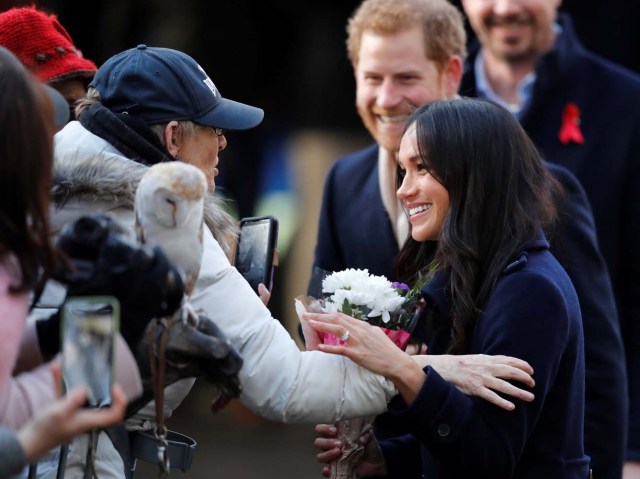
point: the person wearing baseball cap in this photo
(144, 106)
(45, 47)
(157, 104)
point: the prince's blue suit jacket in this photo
(355, 232)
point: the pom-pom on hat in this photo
(43, 45)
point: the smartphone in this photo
(89, 328)
(256, 249)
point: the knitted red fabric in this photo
(43, 45)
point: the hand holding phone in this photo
(255, 251)
(89, 326)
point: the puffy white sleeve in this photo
(280, 382)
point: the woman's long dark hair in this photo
(500, 196)
(25, 174)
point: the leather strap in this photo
(158, 364)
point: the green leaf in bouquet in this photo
(346, 308)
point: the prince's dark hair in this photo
(26, 119)
(500, 197)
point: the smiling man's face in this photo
(513, 31)
(393, 78)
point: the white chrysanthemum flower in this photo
(373, 299)
(378, 283)
(346, 279)
(356, 298)
(362, 290)
(385, 305)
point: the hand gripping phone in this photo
(256, 250)
(89, 328)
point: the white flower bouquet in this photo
(394, 307)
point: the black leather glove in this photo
(103, 263)
(192, 351)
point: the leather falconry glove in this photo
(200, 350)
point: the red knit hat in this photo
(43, 45)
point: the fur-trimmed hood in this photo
(89, 170)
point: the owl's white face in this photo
(174, 211)
(171, 194)
(201, 150)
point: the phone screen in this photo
(254, 257)
(88, 340)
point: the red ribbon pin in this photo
(570, 130)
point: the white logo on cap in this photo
(207, 81)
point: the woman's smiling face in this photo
(424, 197)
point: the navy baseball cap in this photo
(159, 85)
(61, 111)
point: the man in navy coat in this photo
(397, 68)
(583, 112)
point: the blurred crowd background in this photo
(287, 57)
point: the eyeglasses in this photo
(218, 131)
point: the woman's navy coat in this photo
(532, 313)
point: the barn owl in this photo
(169, 213)
(169, 208)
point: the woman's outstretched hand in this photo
(371, 463)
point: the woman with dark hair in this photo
(25, 176)
(478, 197)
